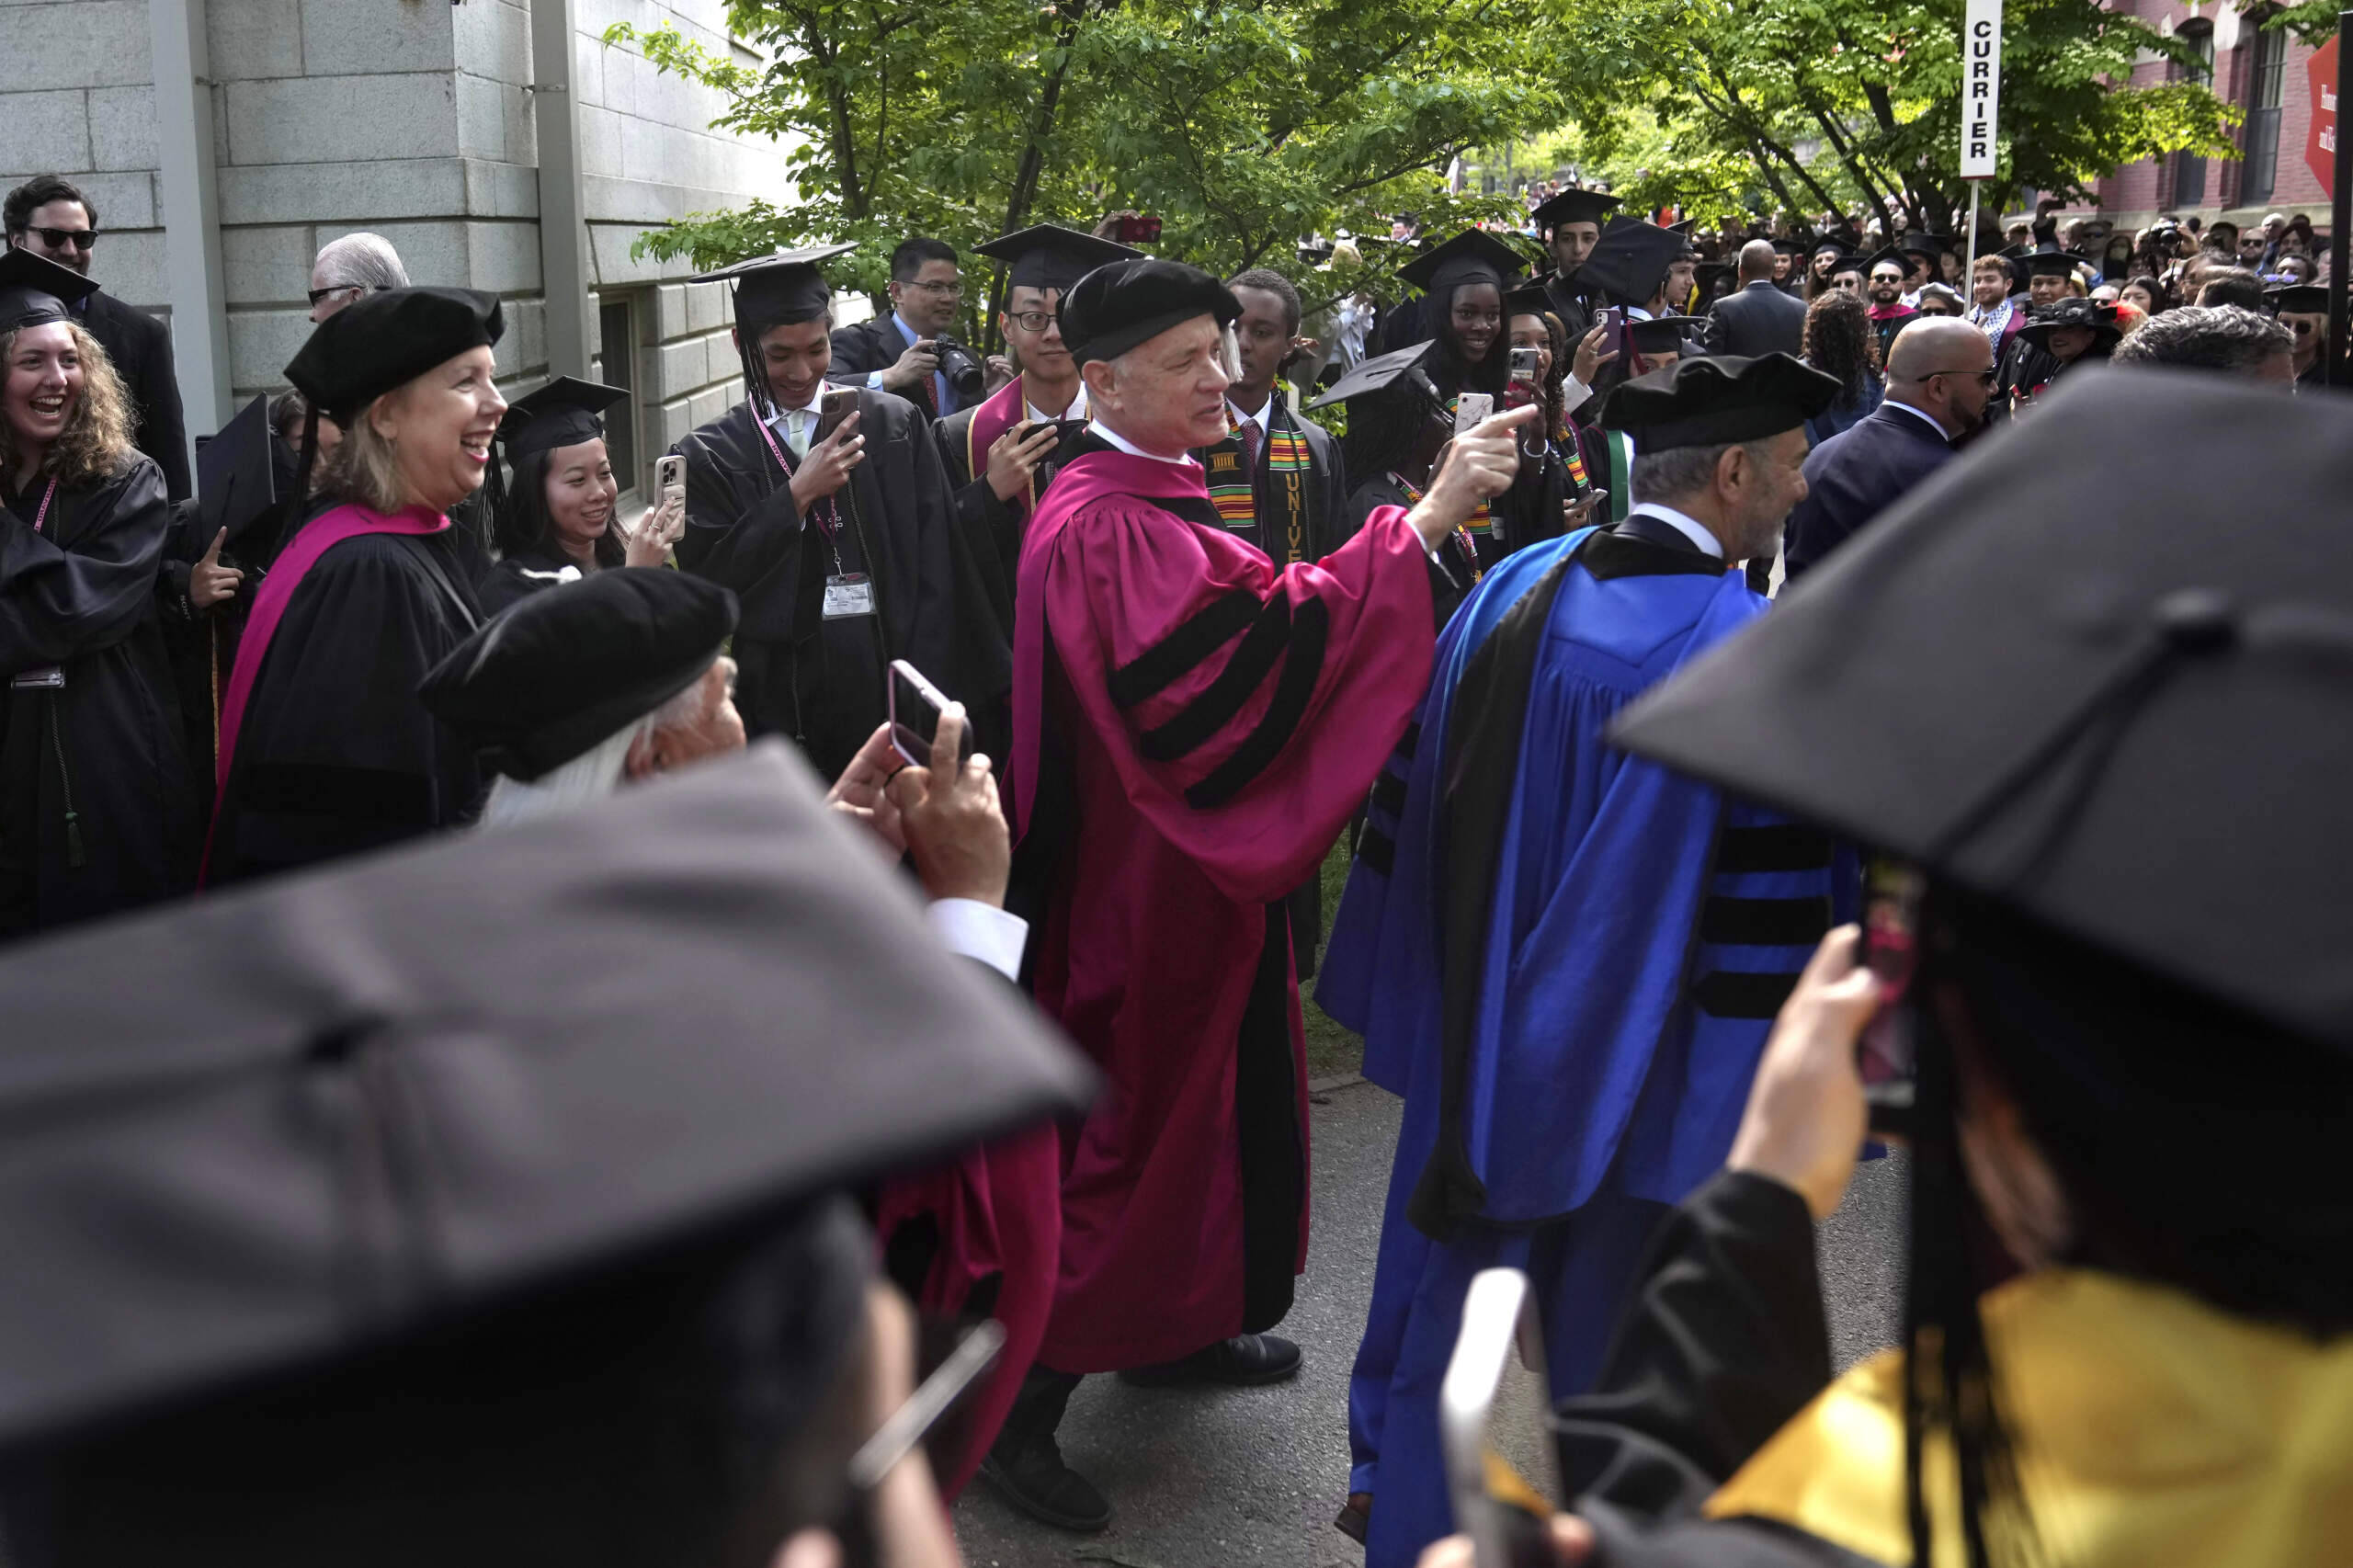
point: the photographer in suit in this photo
(908, 352)
(52, 218)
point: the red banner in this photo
(2320, 147)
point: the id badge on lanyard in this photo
(847, 594)
(47, 678)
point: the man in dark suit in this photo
(898, 353)
(1939, 375)
(52, 218)
(1758, 318)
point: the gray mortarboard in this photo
(2298, 299)
(784, 287)
(1122, 303)
(1574, 206)
(35, 290)
(1388, 374)
(565, 412)
(352, 1108)
(1716, 401)
(2137, 736)
(1045, 255)
(382, 341)
(1630, 261)
(558, 673)
(1473, 256)
(236, 474)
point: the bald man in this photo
(1758, 318)
(1940, 374)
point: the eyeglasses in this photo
(939, 290)
(1982, 377)
(319, 294)
(58, 239)
(1032, 320)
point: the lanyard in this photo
(1461, 534)
(46, 497)
(828, 519)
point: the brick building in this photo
(2264, 74)
(497, 143)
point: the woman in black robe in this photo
(328, 750)
(553, 513)
(98, 812)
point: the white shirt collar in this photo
(1259, 418)
(812, 408)
(1690, 528)
(1077, 409)
(1103, 432)
(1921, 414)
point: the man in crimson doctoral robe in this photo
(1192, 728)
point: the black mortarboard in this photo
(1528, 300)
(2093, 313)
(1828, 243)
(1574, 206)
(1790, 247)
(563, 413)
(1123, 303)
(1473, 256)
(1929, 246)
(1707, 272)
(559, 671)
(348, 1108)
(35, 290)
(1630, 261)
(1660, 334)
(236, 473)
(2053, 264)
(2138, 736)
(1388, 373)
(1846, 261)
(382, 341)
(2298, 299)
(1045, 255)
(784, 287)
(1886, 253)
(1715, 401)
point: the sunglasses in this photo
(318, 294)
(58, 239)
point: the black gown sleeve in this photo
(59, 603)
(1724, 1343)
(740, 535)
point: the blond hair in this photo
(364, 467)
(96, 444)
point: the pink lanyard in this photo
(46, 497)
(832, 524)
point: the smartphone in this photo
(906, 1426)
(1886, 1054)
(1471, 407)
(670, 477)
(1524, 362)
(1495, 1504)
(1137, 230)
(1609, 318)
(916, 708)
(839, 404)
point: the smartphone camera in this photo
(1524, 363)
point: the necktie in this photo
(1252, 439)
(796, 432)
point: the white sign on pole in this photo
(1980, 86)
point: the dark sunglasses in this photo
(58, 239)
(318, 294)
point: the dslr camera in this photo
(960, 365)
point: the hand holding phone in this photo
(947, 803)
(1806, 1117)
(670, 477)
(1471, 407)
(1504, 1514)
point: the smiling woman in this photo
(325, 748)
(96, 812)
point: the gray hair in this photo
(595, 773)
(358, 261)
(2206, 337)
(1680, 471)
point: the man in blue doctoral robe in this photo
(1564, 958)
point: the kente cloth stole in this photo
(1233, 492)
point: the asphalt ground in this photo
(1199, 1478)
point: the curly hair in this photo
(1840, 341)
(2207, 337)
(96, 442)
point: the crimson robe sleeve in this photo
(1246, 709)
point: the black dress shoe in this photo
(1032, 1477)
(1243, 1361)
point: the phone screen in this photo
(916, 708)
(1891, 948)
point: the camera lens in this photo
(959, 365)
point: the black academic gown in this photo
(819, 680)
(140, 347)
(520, 574)
(1570, 303)
(1450, 585)
(97, 812)
(336, 754)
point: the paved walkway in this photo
(1202, 1478)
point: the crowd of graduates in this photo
(1107, 640)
